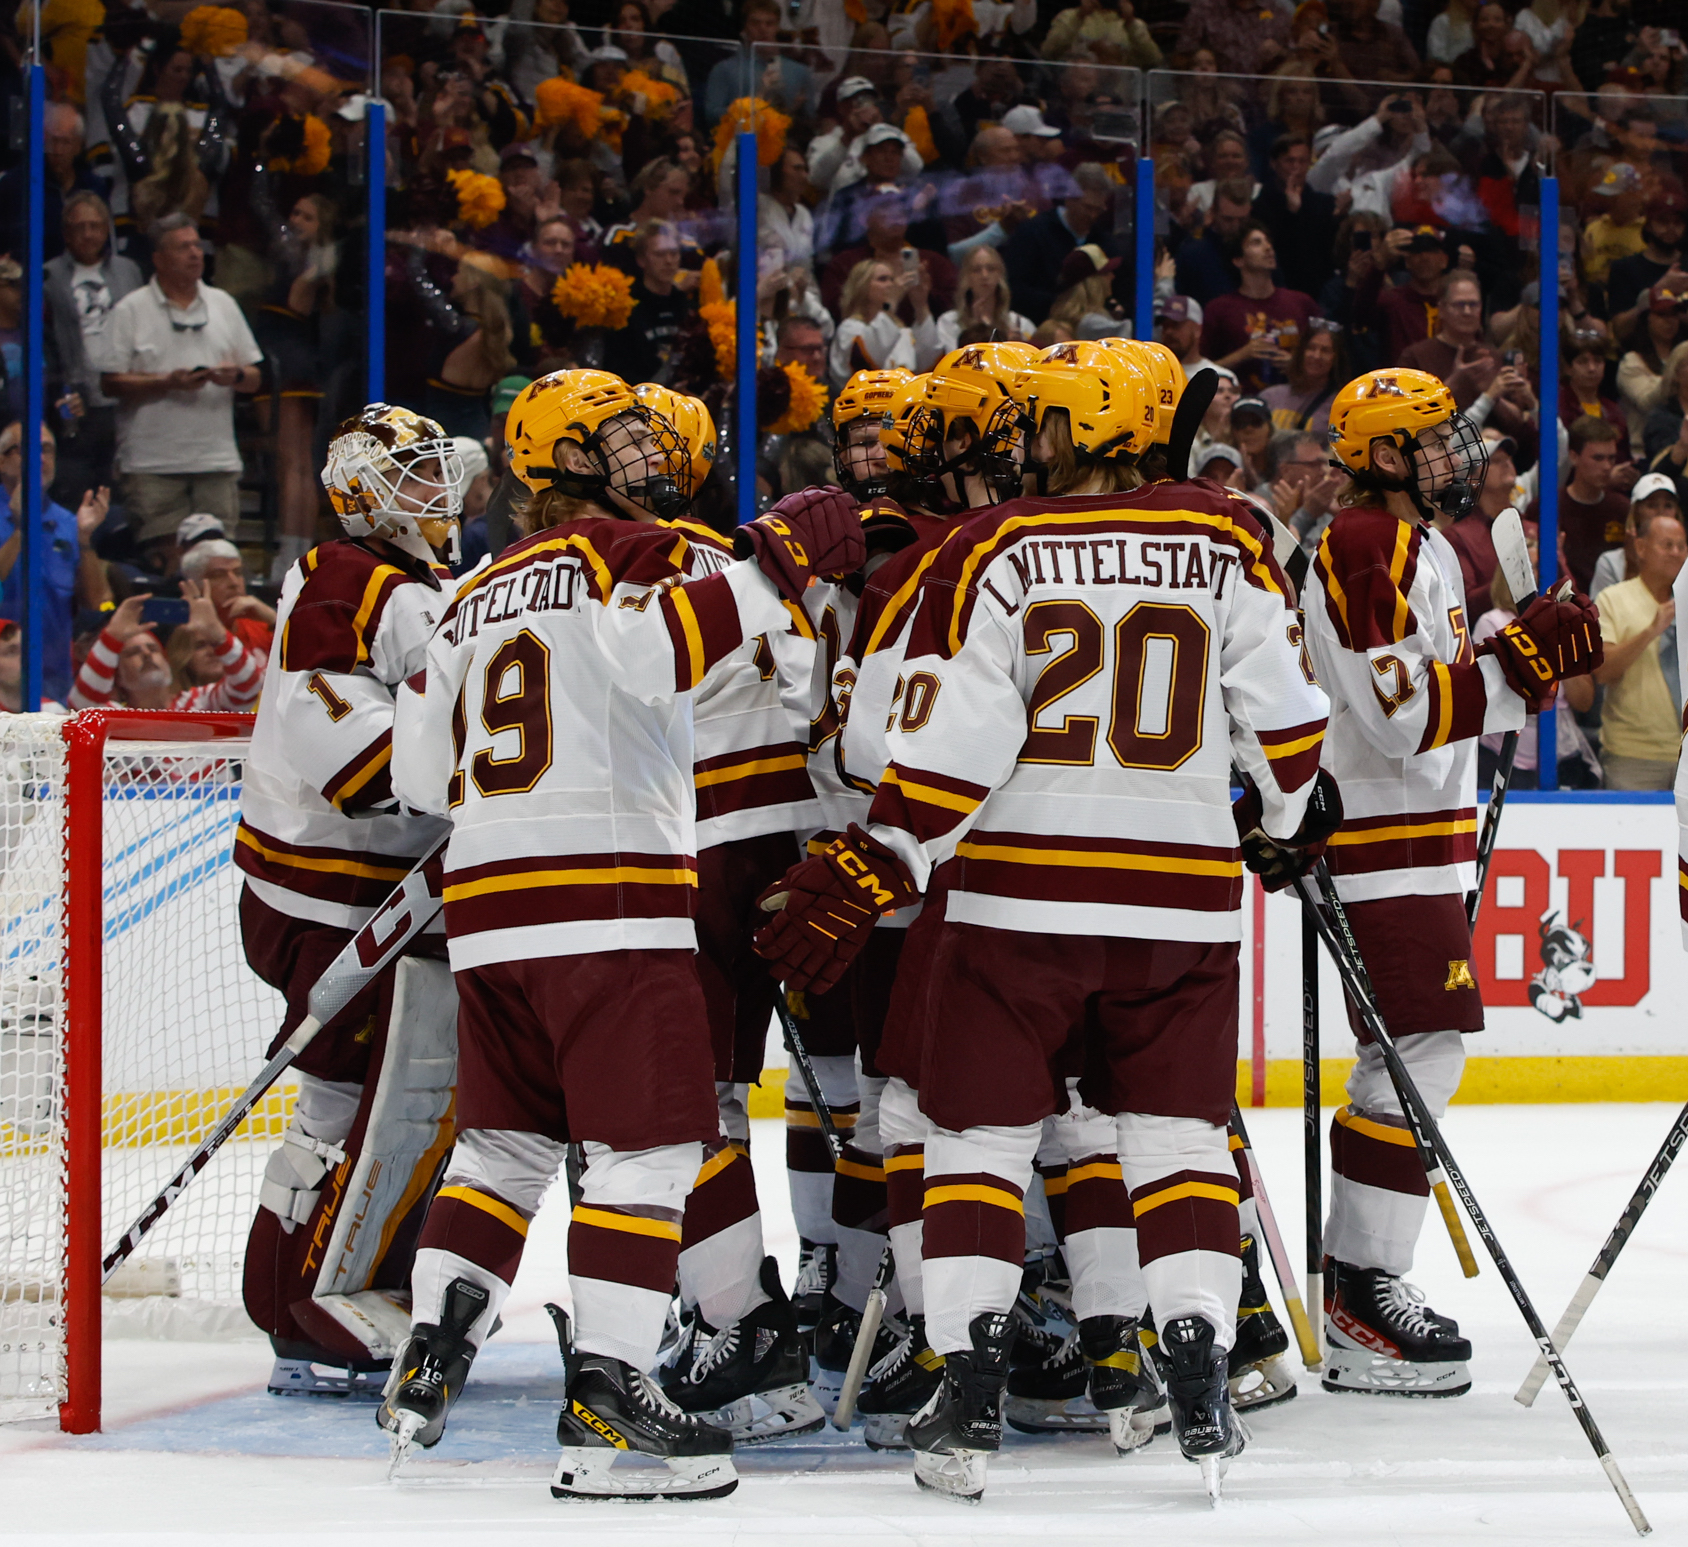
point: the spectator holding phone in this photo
(209, 557)
(173, 354)
(1255, 330)
(128, 664)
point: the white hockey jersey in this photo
(1386, 629)
(553, 725)
(321, 837)
(1080, 675)
(750, 718)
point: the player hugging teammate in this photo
(999, 686)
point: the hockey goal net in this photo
(128, 1020)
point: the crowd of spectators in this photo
(1340, 185)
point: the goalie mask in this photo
(1414, 411)
(392, 474)
(629, 446)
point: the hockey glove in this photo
(812, 532)
(1553, 640)
(825, 909)
(1280, 863)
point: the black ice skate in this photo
(1381, 1338)
(1209, 1432)
(429, 1372)
(1122, 1382)
(750, 1377)
(898, 1388)
(612, 1411)
(817, 1267)
(953, 1435)
(835, 1341)
(1052, 1396)
(1260, 1375)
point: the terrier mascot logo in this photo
(1566, 973)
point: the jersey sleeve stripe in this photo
(1459, 699)
(687, 634)
(748, 763)
(927, 790)
(703, 622)
(366, 780)
(606, 875)
(382, 582)
(1397, 574)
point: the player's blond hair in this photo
(1067, 475)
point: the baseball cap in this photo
(1530, 295)
(507, 390)
(518, 150)
(1499, 441)
(1662, 300)
(198, 528)
(1029, 120)
(856, 86)
(1426, 239)
(1619, 177)
(1180, 308)
(1251, 407)
(606, 53)
(1217, 452)
(1651, 484)
(883, 134)
(1084, 262)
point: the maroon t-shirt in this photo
(1587, 530)
(1475, 545)
(1230, 321)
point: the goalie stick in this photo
(1278, 1252)
(410, 908)
(1347, 966)
(811, 1081)
(1615, 1242)
(1433, 1169)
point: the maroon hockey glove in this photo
(826, 909)
(1278, 864)
(812, 532)
(1552, 641)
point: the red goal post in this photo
(128, 1018)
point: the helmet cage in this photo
(624, 468)
(1446, 464)
(863, 482)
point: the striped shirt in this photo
(237, 688)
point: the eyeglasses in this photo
(187, 327)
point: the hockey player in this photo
(858, 416)
(1082, 671)
(553, 727)
(942, 466)
(1388, 637)
(322, 842)
(742, 1364)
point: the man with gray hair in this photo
(1035, 252)
(173, 354)
(208, 557)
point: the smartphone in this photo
(1513, 358)
(911, 261)
(1400, 107)
(165, 613)
(1362, 241)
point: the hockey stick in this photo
(1513, 555)
(410, 908)
(1433, 1168)
(1312, 1155)
(1187, 417)
(811, 1081)
(1413, 1103)
(872, 1314)
(1278, 1252)
(1621, 1232)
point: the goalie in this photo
(322, 842)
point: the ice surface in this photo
(194, 1448)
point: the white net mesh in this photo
(186, 1024)
(186, 1027)
(32, 763)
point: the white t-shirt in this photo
(181, 432)
(91, 292)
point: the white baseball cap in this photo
(1029, 120)
(856, 86)
(880, 134)
(1651, 484)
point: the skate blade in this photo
(783, 1413)
(1048, 1415)
(301, 1378)
(1131, 1429)
(958, 1475)
(588, 1472)
(884, 1431)
(1214, 1469)
(404, 1432)
(1359, 1371)
(1263, 1384)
